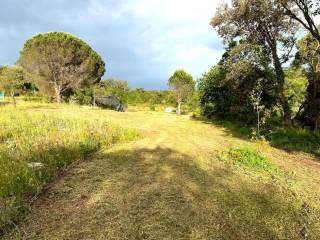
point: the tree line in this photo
(249, 82)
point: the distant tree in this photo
(183, 85)
(12, 80)
(62, 62)
(115, 84)
(260, 22)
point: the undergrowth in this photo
(296, 140)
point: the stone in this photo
(35, 165)
(168, 110)
(111, 102)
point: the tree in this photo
(12, 80)
(62, 62)
(304, 12)
(309, 112)
(183, 85)
(255, 97)
(263, 23)
(226, 89)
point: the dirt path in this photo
(168, 185)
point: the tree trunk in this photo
(179, 107)
(258, 123)
(13, 99)
(280, 76)
(57, 90)
(94, 99)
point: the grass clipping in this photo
(51, 140)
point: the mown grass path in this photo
(170, 185)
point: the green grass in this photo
(54, 139)
(247, 157)
(169, 185)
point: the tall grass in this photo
(54, 139)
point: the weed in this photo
(247, 157)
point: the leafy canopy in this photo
(11, 79)
(182, 83)
(62, 62)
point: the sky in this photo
(141, 41)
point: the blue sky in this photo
(141, 41)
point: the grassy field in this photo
(183, 179)
(36, 144)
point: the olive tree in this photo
(183, 85)
(11, 80)
(61, 62)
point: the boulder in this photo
(111, 102)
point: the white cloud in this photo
(178, 33)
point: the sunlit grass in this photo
(51, 139)
(170, 184)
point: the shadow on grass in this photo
(235, 129)
(162, 194)
(288, 139)
(296, 140)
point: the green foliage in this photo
(11, 79)
(61, 62)
(247, 157)
(226, 89)
(140, 96)
(260, 23)
(183, 85)
(308, 57)
(84, 96)
(212, 91)
(52, 139)
(295, 87)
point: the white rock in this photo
(35, 165)
(168, 110)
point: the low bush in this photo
(53, 140)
